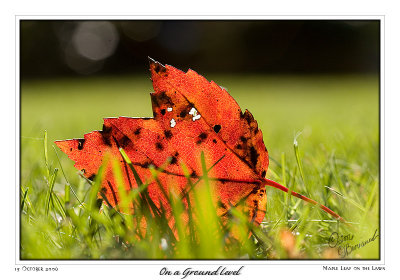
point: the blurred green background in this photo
(317, 78)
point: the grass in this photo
(322, 134)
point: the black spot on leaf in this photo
(124, 141)
(80, 143)
(137, 131)
(247, 116)
(183, 113)
(217, 128)
(203, 136)
(161, 98)
(159, 146)
(106, 135)
(255, 190)
(253, 156)
(146, 164)
(154, 100)
(163, 112)
(158, 68)
(168, 134)
(174, 160)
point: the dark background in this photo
(70, 48)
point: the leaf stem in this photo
(271, 183)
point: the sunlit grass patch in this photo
(78, 224)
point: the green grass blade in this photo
(298, 160)
(359, 206)
(23, 199)
(283, 168)
(65, 177)
(49, 199)
(46, 159)
(67, 198)
(129, 162)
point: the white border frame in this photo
(205, 263)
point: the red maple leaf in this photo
(191, 116)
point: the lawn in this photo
(333, 119)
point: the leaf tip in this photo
(151, 60)
(59, 143)
(156, 66)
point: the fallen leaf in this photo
(191, 116)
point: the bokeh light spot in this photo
(95, 40)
